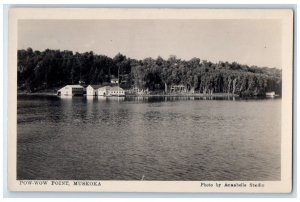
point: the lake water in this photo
(156, 138)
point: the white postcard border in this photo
(286, 15)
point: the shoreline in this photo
(186, 95)
(216, 95)
(154, 95)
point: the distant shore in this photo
(187, 95)
(150, 95)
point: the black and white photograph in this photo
(152, 99)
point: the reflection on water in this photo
(160, 138)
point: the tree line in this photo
(39, 70)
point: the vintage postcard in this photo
(150, 100)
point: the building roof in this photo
(105, 88)
(116, 88)
(96, 86)
(72, 86)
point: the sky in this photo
(251, 42)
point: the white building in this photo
(270, 94)
(92, 90)
(104, 91)
(178, 88)
(71, 90)
(114, 81)
(111, 91)
(117, 91)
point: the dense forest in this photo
(49, 69)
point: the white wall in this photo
(101, 92)
(90, 91)
(66, 91)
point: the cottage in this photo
(104, 91)
(114, 81)
(92, 90)
(111, 91)
(71, 90)
(178, 88)
(137, 91)
(117, 91)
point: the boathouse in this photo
(104, 91)
(117, 91)
(71, 90)
(111, 91)
(92, 90)
(270, 94)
